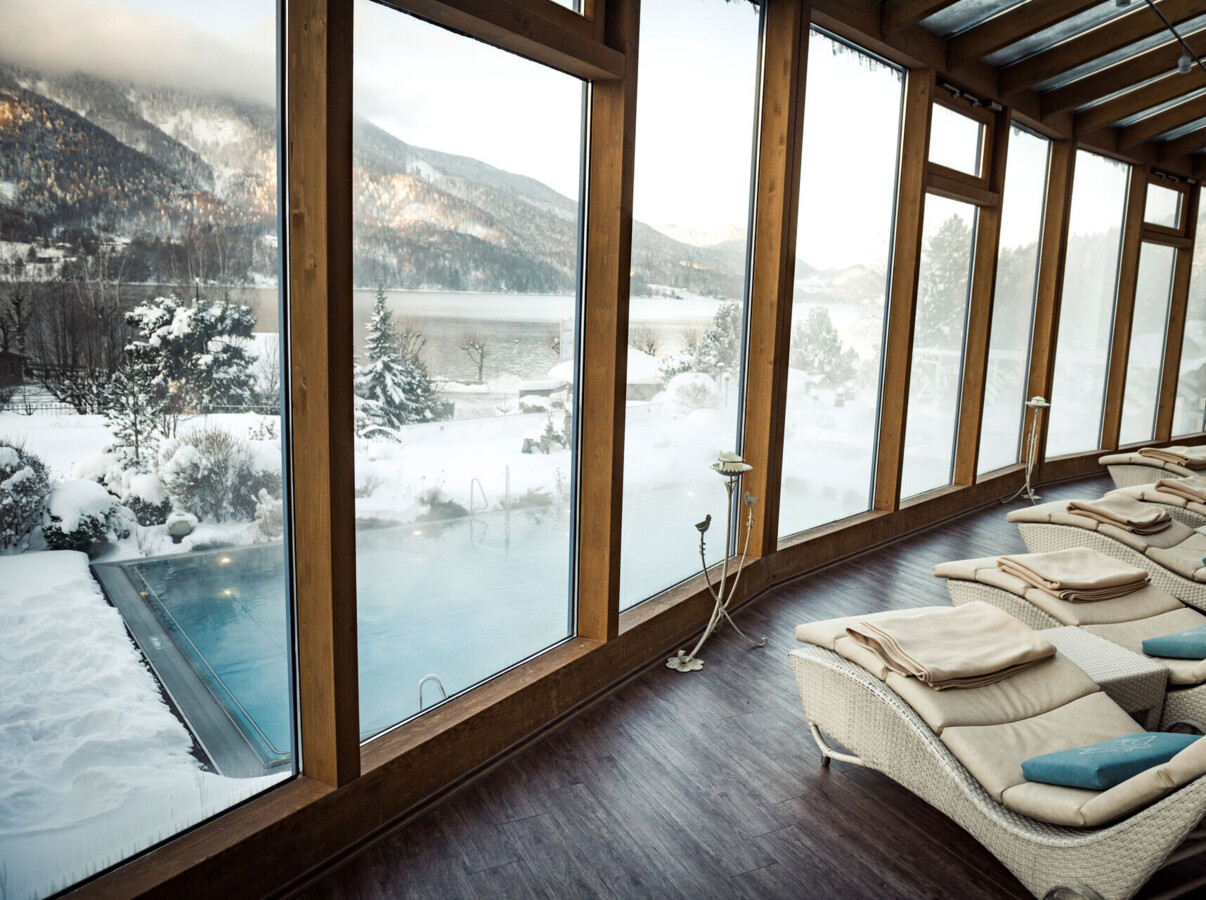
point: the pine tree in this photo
(817, 349)
(393, 387)
(942, 291)
(718, 350)
(133, 406)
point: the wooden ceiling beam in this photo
(1012, 26)
(1132, 103)
(1185, 145)
(1110, 37)
(1153, 126)
(1158, 61)
(898, 14)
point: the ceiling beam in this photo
(1185, 145)
(1137, 69)
(1132, 103)
(1110, 37)
(898, 14)
(1153, 126)
(1012, 26)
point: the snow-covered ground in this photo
(93, 765)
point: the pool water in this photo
(462, 600)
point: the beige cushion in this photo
(994, 753)
(1045, 686)
(1147, 493)
(1131, 635)
(1143, 603)
(1055, 512)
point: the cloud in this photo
(113, 40)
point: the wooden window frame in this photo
(1164, 234)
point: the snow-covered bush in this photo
(689, 391)
(269, 515)
(439, 507)
(77, 516)
(23, 491)
(531, 403)
(214, 475)
(146, 497)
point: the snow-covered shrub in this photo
(146, 497)
(532, 403)
(77, 516)
(214, 475)
(269, 515)
(689, 391)
(439, 507)
(23, 491)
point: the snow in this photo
(59, 441)
(145, 487)
(8, 192)
(9, 458)
(642, 369)
(93, 764)
(72, 501)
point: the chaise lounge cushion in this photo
(1107, 764)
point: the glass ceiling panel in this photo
(1183, 130)
(964, 15)
(1155, 110)
(1125, 90)
(1049, 37)
(1127, 52)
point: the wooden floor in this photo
(707, 784)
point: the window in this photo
(1087, 310)
(1013, 304)
(139, 273)
(1163, 207)
(843, 250)
(1149, 326)
(956, 141)
(1190, 414)
(936, 376)
(466, 165)
(691, 204)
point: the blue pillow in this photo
(1190, 644)
(1100, 767)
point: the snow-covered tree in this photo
(816, 348)
(197, 350)
(393, 387)
(718, 350)
(942, 289)
(134, 407)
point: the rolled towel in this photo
(1122, 512)
(1189, 457)
(1078, 575)
(1191, 487)
(961, 647)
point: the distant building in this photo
(12, 369)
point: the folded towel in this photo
(1122, 512)
(1191, 487)
(962, 647)
(1189, 457)
(1078, 575)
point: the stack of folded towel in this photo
(1191, 487)
(1123, 512)
(962, 647)
(1077, 575)
(1189, 457)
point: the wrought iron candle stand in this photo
(731, 467)
(1036, 405)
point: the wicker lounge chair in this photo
(1131, 469)
(1173, 556)
(1187, 511)
(883, 732)
(1126, 621)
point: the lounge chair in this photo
(1174, 556)
(1126, 621)
(1131, 469)
(1181, 508)
(1059, 842)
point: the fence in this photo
(55, 408)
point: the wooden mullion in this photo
(960, 186)
(979, 314)
(1012, 26)
(781, 134)
(1169, 237)
(1121, 32)
(319, 160)
(1178, 309)
(1052, 254)
(539, 30)
(1124, 307)
(604, 375)
(902, 305)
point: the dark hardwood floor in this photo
(708, 784)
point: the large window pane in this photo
(1149, 326)
(1086, 315)
(1013, 305)
(144, 608)
(466, 163)
(1190, 414)
(843, 248)
(936, 375)
(694, 138)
